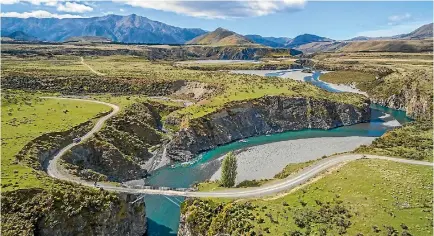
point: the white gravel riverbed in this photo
(264, 161)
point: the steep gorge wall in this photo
(410, 91)
(121, 149)
(407, 89)
(271, 114)
(70, 209)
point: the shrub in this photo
(249, 183)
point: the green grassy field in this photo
(42, 66)
(363, 80)
(123, 101)
(412, 141)
(364, 196)
(136, 72)
(24, 118)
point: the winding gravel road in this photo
(55, 171)
(53, 166)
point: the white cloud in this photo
(7, 2)
(60, 4)
(51, 3)
(73, 7)
(34, 2)
(392, 30)
(37, 14)
(397, 18)
(219, 9)
(121, 10)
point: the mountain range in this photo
(21, 36)
(139, 29)
(274, 42)
(127, 29)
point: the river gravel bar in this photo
(265, 161)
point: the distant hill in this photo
(360, 38)
(423, 32)
(126, 29)
(306, 38)
(284, 42)
(275, 42)
(219, 37)
(392, 45)
(87, 39)
(21, 36)
(281, 40)
(419, 40)
(321, 46)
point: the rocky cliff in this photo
(184, 227)
(120, 151)
(157, 52)
(403, 87)
(414, 106)
(270, 114)
(101, 161)
(411, 91)
(236, 53)
(70, 209)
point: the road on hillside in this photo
(53, 166)
(54, 170)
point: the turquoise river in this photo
(163, 212)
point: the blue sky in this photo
(289, 18)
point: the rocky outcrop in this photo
(71, 209)
(271, 114)
(159, 53)
(241, 66)
(101, 161)
(119, 218)
(236, 53)
(200, 217)
(403, 88)
(184, 227)
(409, 100)
(120, 151)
